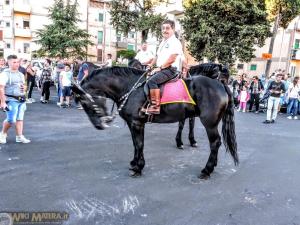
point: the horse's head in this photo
(135, 64)
(95, 107)
(224, 74)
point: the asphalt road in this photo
(70, 166)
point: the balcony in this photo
(175, 8)
(20, 32)
(121, 44)
(22, 8)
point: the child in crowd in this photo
(66, 82)
(243, 98)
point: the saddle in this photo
(173, 91)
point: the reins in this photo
(123, 99)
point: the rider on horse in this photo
(167, 61)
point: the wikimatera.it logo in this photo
(33, 218)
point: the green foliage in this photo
(127, 54)
(136, 15)
(286, 9)
(63, 37)
(225, 30)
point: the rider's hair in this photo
(12, 57)
(170, 22)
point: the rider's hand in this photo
(155, 70)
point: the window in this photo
(26, 24)
(130, 47)
(240, 66)
(131, 35)
(297, 42)
(253, 67)
(26, 47)
(8, 45)
(100, 17)
(7, 24)
(100, 37)
(119, 36)
(7, 2)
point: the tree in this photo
(225, 30)
(137, 15)
(281, 12)
(63, 37)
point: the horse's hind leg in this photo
(179, 134)
(214, 142)
(193, 142)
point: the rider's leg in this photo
(158, 78)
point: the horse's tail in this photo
(228, 127)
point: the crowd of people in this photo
(18, 77)
(267, 94)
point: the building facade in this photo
(20, 19)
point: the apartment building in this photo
(20, 19)
(105, 38)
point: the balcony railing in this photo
(20, 32)
(22, 8)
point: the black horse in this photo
(134, 63)
(213, 103)
(211, 70)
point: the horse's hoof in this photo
(180, 147)
(135, 174)
(194, 145)
(203, 176)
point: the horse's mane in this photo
(205, 68)
(121, 71)
(211, 70)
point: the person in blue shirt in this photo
(83, 69)
(82, 73)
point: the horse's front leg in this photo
(193, 142)
(137, 134)
(179, 134)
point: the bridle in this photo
(123, 98)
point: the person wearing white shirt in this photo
(167, 61)
(145, 56)
(108, 62)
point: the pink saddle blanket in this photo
(176, 92)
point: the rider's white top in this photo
(144, 56)
(167, 48)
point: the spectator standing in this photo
(66, 82)
(243, 98)
(58, 69)
(12, 97)
(82, 73)
(108, 62)
(45, 81)
(293, 96)
(2, 64)
(276, 88)
(31, 76)
(256, 88)
(236, 89)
